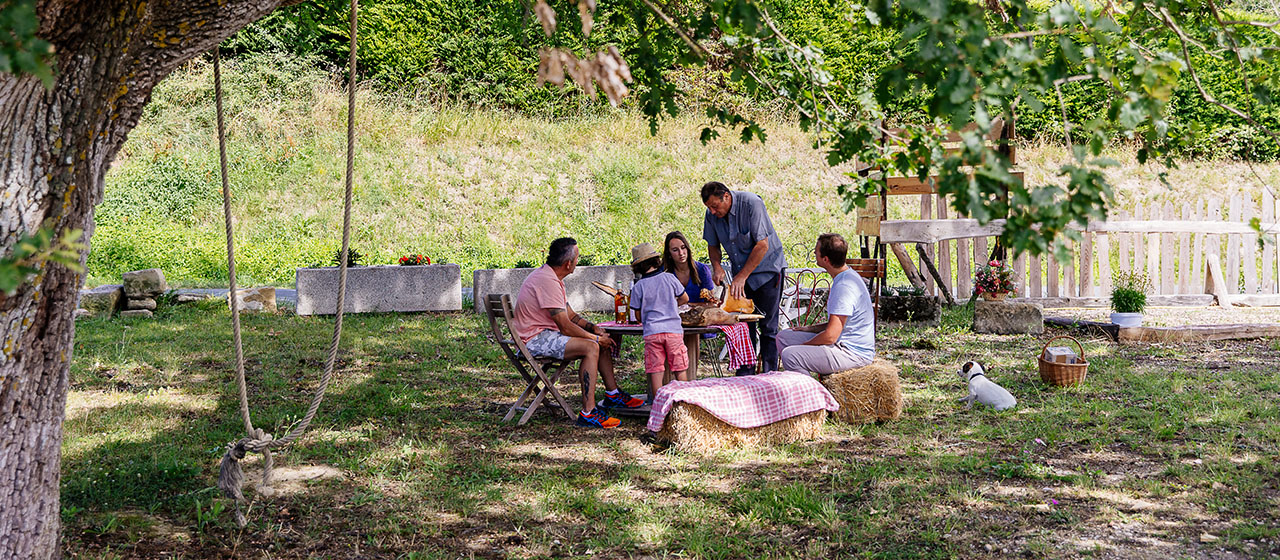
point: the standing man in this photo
(738, 222)
(848, 339)
(550, 328)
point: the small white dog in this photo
(984, 390)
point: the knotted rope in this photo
(230, 475)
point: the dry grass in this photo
(868, 394)
(691, 429)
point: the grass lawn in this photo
(1164, 452)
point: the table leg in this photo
(692, 343)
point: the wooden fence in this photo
(1178, 248)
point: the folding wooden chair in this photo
(540, 374)
(873, 271)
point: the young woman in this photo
(677, 258)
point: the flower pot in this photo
(1124, 320)
(994, 297)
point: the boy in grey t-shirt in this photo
(657, 295)
(848, 339)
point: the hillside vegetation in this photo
(478, 187)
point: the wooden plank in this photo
(1214, 283)
(1155, 225)
(1051, 282)
(933, 271)
(1184, 254)
(1269, 249)
(1197, 251)
(933, 231)
(1168, 281)
(1086, 265)
(1249, 252)
(980, 253)
(1035, 275)
(1231, 273)
(1125, 254)
(964, 269)
(944, 249)
(926, 213)
(908, 265)
(1198, 333)
(1020, 274)
(1102, 252)
(1138, 243)
(1069, 271)
(1153, 250)
(1178, 300)
(909, 185)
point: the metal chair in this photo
(540, 374)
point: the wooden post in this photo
(964, 269)
(1069, 270)
(1269, 249)
(1168, 281)
(1123, 243)
(926, 213)
(1153, 248)
(1020, 275)
(1034, 287)
(1184, 254)
(944, 251)
(1051, 283)
(1214, 282)
(1249, 252)
(1197, 247)
(1086, 266)
(1139, 247)
(1231, 274)
(1102, 252)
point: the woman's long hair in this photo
(669, 264)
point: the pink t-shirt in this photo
(541, 292)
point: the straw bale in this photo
(690, 428)
(867, 394)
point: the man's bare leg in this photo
(590, 353)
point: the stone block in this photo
(262, 300)
(81, 314)
(191, 298)
(140, 303)
(147, 283)
(912, 310)
(136, 313)
(1003, 317)
(375, 289)
(101, 301)
(577, 286)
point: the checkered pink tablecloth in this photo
(741, 352)
(746, 402)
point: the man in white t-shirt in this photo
(848, 339)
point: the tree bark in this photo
(54, 152)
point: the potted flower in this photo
(414, 260)
(994, 280)
(1129, 298)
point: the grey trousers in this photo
(798, 356)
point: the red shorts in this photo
(665, 349)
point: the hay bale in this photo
(867, 394)
(690, 428)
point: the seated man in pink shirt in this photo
(550, 328)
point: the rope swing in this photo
(256, 440)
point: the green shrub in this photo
(1129, 292)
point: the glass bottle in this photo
(619, 304)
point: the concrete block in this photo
(577, 286)
(103, 300)
(1002, 317)
(375, 289)
(144, 313)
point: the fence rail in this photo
(1181, 250)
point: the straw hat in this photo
(642, 252)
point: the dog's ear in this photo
(967, 366)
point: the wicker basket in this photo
(1062, 375)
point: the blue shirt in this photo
(655, 296)
(694, 289)
(849, 298)
(746, 223)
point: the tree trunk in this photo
(54, 152)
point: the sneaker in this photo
(597, 420)
(622, 400)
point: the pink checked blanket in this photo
(746, 402)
